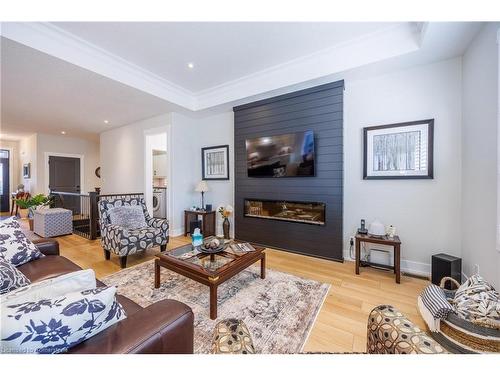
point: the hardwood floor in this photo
(341, 323)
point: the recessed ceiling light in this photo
(63, 132)
(106, 121)
(190, 65)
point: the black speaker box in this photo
(446, 265)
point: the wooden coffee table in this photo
(209, 269)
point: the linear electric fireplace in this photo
(294, 211)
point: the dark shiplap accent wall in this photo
(319, 109)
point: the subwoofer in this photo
(446, 265)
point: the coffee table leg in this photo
(213, 302)
(157, 274)
(263, 266)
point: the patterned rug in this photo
(279, 311)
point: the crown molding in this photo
(384, 44)
(52, 40)
(392, 41)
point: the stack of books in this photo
(242, 247)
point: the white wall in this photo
(122, 152)
(479, 155)
(122, 156)
(219, 130)
(425, 212)
(67, 145)
(189, 135)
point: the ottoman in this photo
(53, 222)
(231, 336)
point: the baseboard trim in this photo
(177, 232)
(407, 266)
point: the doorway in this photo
(65, 176)
(157, 172)
(4, 181)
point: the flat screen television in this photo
(286, 155)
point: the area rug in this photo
(279, 311)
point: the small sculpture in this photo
(212, 244)
(391, 231)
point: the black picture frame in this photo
(206, 173)
(430, 151)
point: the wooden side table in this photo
(207, 222)
(385, 240)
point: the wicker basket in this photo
(458, 335)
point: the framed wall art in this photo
(399, 151)
(215, 163)
(27, 170)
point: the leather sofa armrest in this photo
(47, 246)
(390, 332)
(165, 327)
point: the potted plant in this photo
(225, 212)
(32, 204)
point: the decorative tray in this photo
(209, 250)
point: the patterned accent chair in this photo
(122, 241)
(390, 332)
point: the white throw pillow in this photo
(129, 217)
(58, 286)
(16, 248)
(56, 324)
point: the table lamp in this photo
(202, 187)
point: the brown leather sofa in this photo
(163, 327)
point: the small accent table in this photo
(385, 240)
(207, 222)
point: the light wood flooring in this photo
(341, 323)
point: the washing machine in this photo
(160, 203)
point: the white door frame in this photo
(148, 169)
(77, 156)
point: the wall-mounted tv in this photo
(286, 155)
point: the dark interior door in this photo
(64, 176)
(4, 181)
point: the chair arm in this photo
(165, 327)
(158, 223)
(47, 246)
(390, 332)
(120, 231)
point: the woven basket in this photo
(460, 335)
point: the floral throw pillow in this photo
(11, 277)
(10, 223)
(16, 248)
(54, 325)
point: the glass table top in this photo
(210, 262)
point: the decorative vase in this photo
(197, 238)
(225, 228)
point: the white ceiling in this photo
(73, 76)
(42, 93)
(221, 52)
